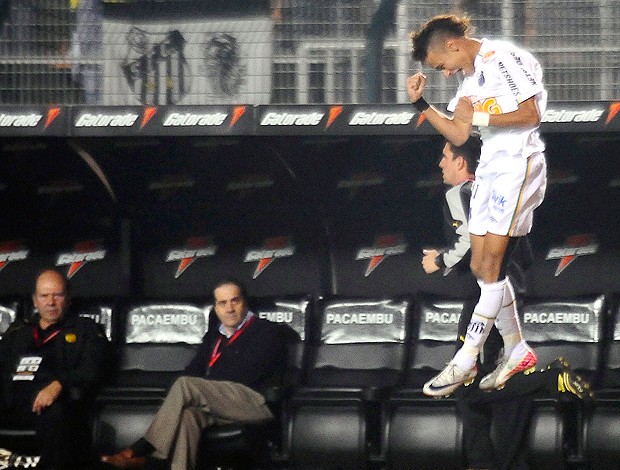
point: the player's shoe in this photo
(569, 382)
(448, 380)
(506, 368)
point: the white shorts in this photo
(505, 193)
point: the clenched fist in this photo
(415, 86)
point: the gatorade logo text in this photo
(287, 119)
(379, 119)
(273, 248)
(20, 120)
(106, 120)
(577, 245)
(196, 247)
(565, 115)
(190, 119)
(385, 245)
(84, 252)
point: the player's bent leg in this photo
(462, 368)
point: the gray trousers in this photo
(192, 404)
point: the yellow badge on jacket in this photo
(70, 338)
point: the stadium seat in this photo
(11, 308)
(602, 423)
(572, 328)
(158, 340)
(101, 310)
(257, 445)
(420, 432)
(356, 357)
(18, 440)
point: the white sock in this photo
(507, 321)
(485, 312)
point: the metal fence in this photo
(291, 51)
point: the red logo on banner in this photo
(613, 110)
(195, 247)
(385, 245)
(273, 248)
(12, 251)
(148, 114)
(334, 112)
(238, 111)
(576, 245)
(86, 251)
(52, 114)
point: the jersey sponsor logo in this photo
(362, 118)
(272, 249)
(291, 119)
(194, 119)
(572, 318)
(488, 56)
(384, 246)
(359, 318)
(195, 248)
(512, 85)
(84, 252)
(566, 115)
(20, 120)
(106, 120)
(576, 245)
(12, 251)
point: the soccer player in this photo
(501, 93)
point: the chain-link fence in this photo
(118, 52)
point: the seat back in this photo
(293, 314)
(159, 340)
(11, 308)
(568, 327)
(432, 337)
(361, 343)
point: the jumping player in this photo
(501, 93)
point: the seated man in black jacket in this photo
(51, 366)
(235, 364)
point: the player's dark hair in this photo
(441, 25)
(470, 151)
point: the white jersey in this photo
(504, 76)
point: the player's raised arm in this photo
(455, 130)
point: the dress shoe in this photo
(124, 459)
